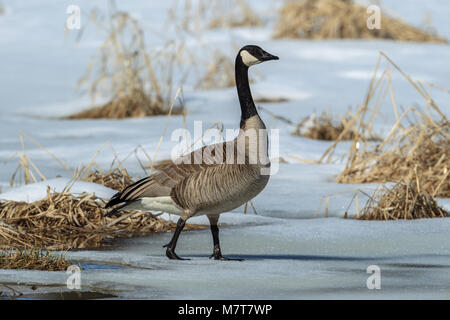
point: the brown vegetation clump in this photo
(420, 153)
(263, 99)
(219, 74)
(337, 19)
(64, 221)
(325, 127)
(212, 14)
(117, 178)
(135, 105)
(192, 17)
(416, 150)
(27, 171)
(232, 14)
(33, 259)
(402, 201)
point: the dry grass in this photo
(33, 259)
(193, 17)
(116, 178)
(64, 221)
(421, 153)
(337, 19)
(136, 83)
(402, 201)
(135, 105)
(27, 171)
(220, 72)
(417, 151)
(231, 14)
(325, 127)
(264, 99)
(212, 14)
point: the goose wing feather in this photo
(166, 178)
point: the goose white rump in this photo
(164, 204)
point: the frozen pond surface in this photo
(291, 249)
(299, 254)
(284, 259)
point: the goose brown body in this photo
(213, 186)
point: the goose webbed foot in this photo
(170, 253)
(217, 255)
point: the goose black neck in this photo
(248, 108)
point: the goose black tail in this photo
(114, 200)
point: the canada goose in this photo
(212, 187)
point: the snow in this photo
(292, 246)
(37, 191)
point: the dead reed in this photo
(33, 259)
(219, 73)
(264, 99)
(63, 221)
(421, 153)
(416, 151)
(336, 19)
(136, 82)
(192, 17)
(402, 201)
(133, 105)
(116, 178)
(206, 14)
(27, 171)
(326, 127)
(231, 14)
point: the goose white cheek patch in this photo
(248, 59)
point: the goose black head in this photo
(251, 55)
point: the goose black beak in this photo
(267, 56)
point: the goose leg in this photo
(170, 251)
(217, 253)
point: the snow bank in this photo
(37, 191)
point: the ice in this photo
(285, 259)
